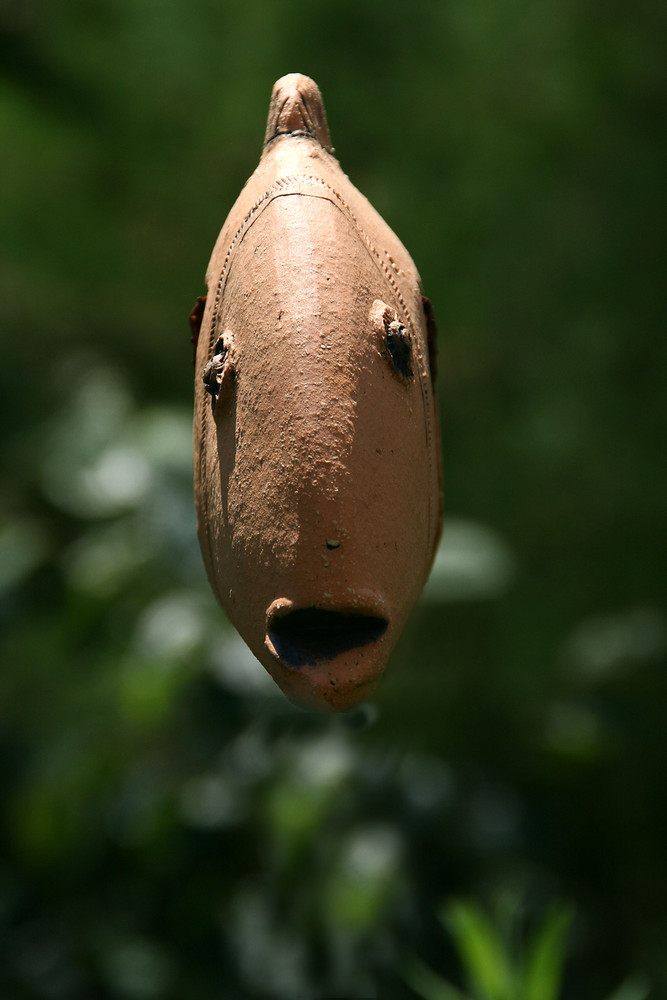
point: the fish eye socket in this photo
(221, 369)
(213, 371)
(400, 349)
(392, 339)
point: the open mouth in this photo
(307, 636)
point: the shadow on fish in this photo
(317, 459)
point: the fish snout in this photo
(297, 108)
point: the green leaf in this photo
(543, 968)
(483, 953)
(428, 984)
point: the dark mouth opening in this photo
(307, 636)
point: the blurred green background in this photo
(171, 826)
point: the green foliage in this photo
(634, 988)
(545, 957)
(495, 970)
(488, 966)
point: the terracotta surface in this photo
(317, 462)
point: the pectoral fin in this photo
(196, 317)
(432, 339)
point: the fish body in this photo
(317, 461)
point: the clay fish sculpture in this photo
(317, 461)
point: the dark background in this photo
(171, 826)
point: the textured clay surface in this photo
(317, 462)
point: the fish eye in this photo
(393, 339)
(221, 369)
(400, 348)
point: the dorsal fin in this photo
(296, 108)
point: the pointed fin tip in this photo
(296, 108)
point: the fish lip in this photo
(312, 635)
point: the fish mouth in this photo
(302, 637)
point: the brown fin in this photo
(196, 317)
(296, 108)
(431, 339)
